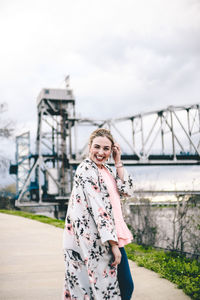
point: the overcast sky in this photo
(123, 56)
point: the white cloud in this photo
(138, 51)
(124, 56)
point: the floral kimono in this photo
(89, 226)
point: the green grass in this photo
(176, 268)
(40, 218)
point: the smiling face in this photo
(100, 150)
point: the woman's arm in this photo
(123, 179)
(120, 170)
(98, 203)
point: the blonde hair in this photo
(101, 132)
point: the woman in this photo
(95, 233)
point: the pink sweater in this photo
(123, 233)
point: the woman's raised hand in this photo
(116, 151)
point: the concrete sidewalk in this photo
(31, 265)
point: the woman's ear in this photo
(89, 146)
(109, 158)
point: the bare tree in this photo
(180, 223)
(141, 221)
(6, 126)
(6, 131)
(185, 227)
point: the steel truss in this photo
(165, 137)
(50, 172)
(22, 159)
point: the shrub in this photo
(178, 269)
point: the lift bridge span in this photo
(169, 136)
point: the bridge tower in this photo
(51, 174)
(22, 159)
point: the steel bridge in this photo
(169, 136)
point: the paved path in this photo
(31, 265)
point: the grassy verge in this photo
(178, 269)
(40, 218)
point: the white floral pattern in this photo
(89, 226)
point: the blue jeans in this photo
(125, 280)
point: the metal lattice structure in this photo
(50, 174)
(165, 137)
(22, 159)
